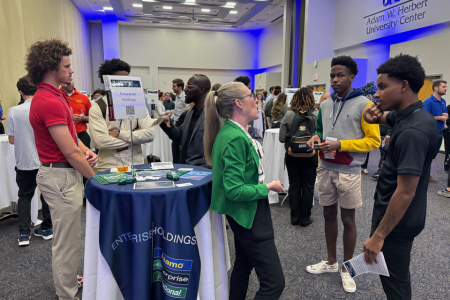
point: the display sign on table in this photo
(317, 97)
(290, 94)
(128, 100)
(152, 96)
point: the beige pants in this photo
(63, 190)
(342, 188)
(269, 122)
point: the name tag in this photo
(79, 101)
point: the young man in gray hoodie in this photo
(344, 139)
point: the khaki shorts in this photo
(337, 187)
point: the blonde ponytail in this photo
(219, 107)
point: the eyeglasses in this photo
(249, 95)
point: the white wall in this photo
(216, 51)
(270, 45)
(96, 53)
(319, 31)
(166, 75)
(432, 51)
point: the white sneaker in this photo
(322, 267)
(348, 283)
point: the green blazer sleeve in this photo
(235, 160)
(319, 127)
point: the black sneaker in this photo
(24, 239)
(376, 175)
(307, 223)
(45, 234)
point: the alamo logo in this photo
(175, 278)
(302, 128)
(174, 292)
(173, 263)
(157, 264)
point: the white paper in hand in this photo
(357, 266)
(330, 155)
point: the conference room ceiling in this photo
(234, 15)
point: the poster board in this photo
(128, 99)
(152, 96)
(290, 94)
(317, 97)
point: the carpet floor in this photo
(25, 272)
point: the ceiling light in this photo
(167, 7)
(190, 1)
(107, 8)
(230, 4)
(233, 12)
(137, 5)
(206, 10)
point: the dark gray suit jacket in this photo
(191, 146)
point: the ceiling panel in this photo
(222, 15)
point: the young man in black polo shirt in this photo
(401, 195)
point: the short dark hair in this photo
(346, 61)
(216, 87)
(265, 93)
(111, 66)
(178, 82)
(290, 86)
(44, 56)
(437, 83)
(277, 90)
(244, 79)
(404, 67)
(97, 91)
(26, 87)
(271, 88)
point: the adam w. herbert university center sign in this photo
(359, 21)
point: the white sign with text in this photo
(127, 96)
(359, 21)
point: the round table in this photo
(8, 186)
(161, 146)
(273, 161)
(146, 244)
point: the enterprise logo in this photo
(390, 2)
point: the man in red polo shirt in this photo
(62, 155)
(80, 105)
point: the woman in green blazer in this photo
(238, 191)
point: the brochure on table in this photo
(128, 98)
(290, 94)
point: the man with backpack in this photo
(113, 137)
(344, 139)
(297, 127)
(269, 105)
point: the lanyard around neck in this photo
(338, 112)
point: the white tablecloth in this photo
(258, 125)
(8, 186)
(161, 146)
(273, 161)
(99, 283)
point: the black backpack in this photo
(268, 108)
(303, 127)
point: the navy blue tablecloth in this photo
(147, 236)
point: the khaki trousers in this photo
(269, 122)
(63, 190)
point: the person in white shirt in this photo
(21, 135)
(112, 137)
(180, 103)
